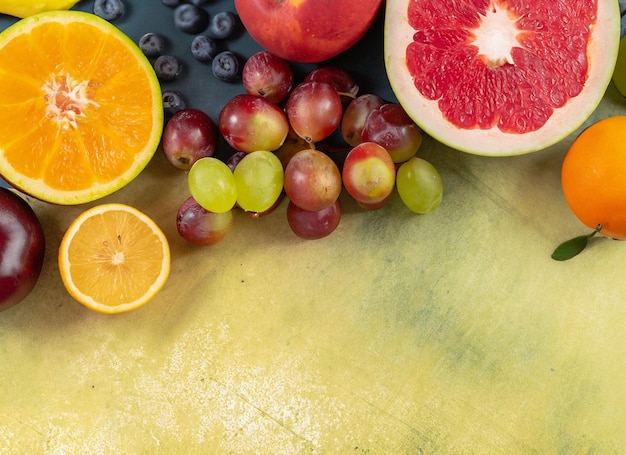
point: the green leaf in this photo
(573, 247)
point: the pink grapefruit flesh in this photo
(500, 77)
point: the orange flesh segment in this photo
(115, 258)
(117, 122)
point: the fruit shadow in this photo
(49, 307)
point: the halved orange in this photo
(80, 107)
(114, 258)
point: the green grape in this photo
(259, 180)
(419, 185)
(212, 185)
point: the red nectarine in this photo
(307, 31)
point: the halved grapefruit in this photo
(500, 77)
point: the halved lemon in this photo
(24, 8)
(80, 107)
(114, 258)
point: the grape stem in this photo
(347, 94)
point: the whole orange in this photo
(593, 176)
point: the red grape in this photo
(391, 127)
(267, 75)
(355, 115)
(369, 174)
(339, 78)
(314, 110)
(250, 123)
(201, 227)
(234, 159)
(292, 145)
(375, 205)
(312, 180)
(312, 225)
(188, 136)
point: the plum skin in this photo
(22, 249)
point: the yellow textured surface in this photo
(447, 333)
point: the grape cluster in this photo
(280, 133)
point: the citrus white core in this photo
(66, 100)
(117, 258)
(496, 36)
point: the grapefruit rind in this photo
(37, 187)
(603, 49)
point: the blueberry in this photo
(152, 44)
(167, 67)
(173, 102)
(108, 9)
(225, 66)
(222, 25)
(198, 2)
(203, 48)
(190, 18)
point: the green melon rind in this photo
(603, 45)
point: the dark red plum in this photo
(22, 249)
